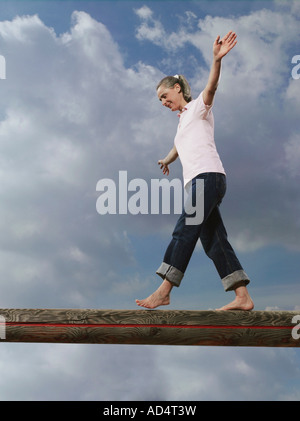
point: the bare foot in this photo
(242, 301)
(160, 297)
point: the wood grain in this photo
(151, 327)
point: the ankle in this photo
(241, 292)
(166, 286)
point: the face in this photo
(170, 97)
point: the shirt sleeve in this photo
(202, 110)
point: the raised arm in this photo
(220, 48)
(171, 157)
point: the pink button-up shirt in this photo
(195, 142)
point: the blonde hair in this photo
(170, 82)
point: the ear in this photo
(177, 87)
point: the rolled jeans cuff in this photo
(173, 275)
(235, 280)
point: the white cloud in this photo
(144, 12)
(72, 113)
(151, 29)
(35, 372)
(209, 369)
(50, 372)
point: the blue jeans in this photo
(212, 234)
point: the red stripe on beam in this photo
(16, 324)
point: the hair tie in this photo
(177, 77)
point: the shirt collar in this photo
(184, 109)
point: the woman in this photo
(194, 144)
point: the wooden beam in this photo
(151, 327)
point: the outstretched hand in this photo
(222, 46)
(164, 166)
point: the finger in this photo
(227, 35)
(231, 38)
(217, 40)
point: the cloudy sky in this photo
(78, 105)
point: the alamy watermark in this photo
(296, 69)
(296, 329)
(2, 328)
(137, 197)
(2, 67)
